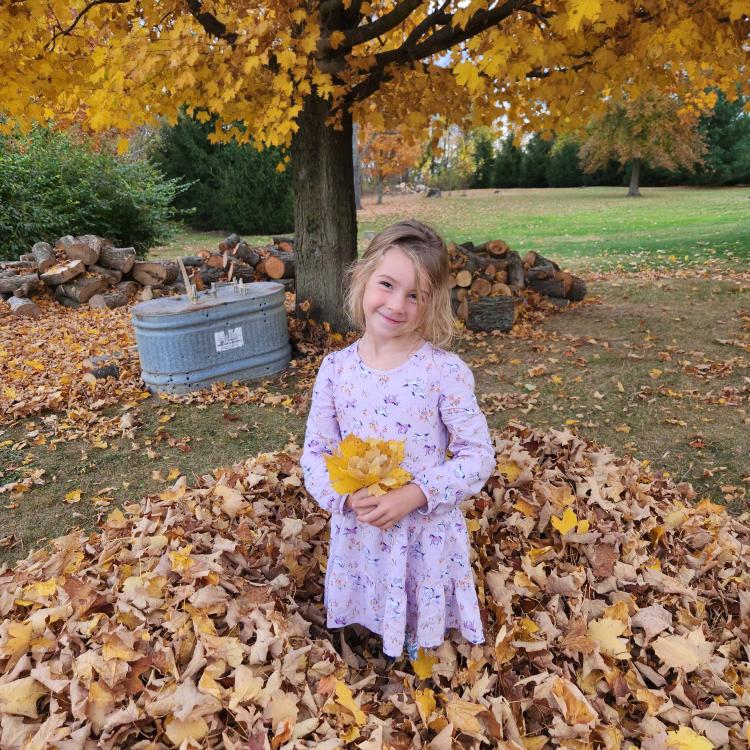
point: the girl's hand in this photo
(386, 510)
(359, 500)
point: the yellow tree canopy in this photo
(119, 63)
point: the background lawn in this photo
(585, 228)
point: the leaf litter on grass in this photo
(616, 613)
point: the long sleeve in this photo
(321, 438)
(473, 456)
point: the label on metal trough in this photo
(231, 339)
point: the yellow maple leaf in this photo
(345, 698)
(566, 523)
(74, 496)
(686, 739)
(425, 700)
(19, 697)
(181, 559)
(606, 632)
(17, 643)
(423, 664)
(34, 364)
(510, 470)
(179, 730)
(463, 715)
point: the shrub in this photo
(233, 187)
(54, 183)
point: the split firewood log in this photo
(207, 276)
(460, 293)
(515, 270)
(488, 313)
(567, 281)
(65, 300)
(217, 261)
(463, 278)
(192, 261)
(285, 247)
(110, 275)
(9, 284)
(32, 286)
(577, 289)
(85, 248)
(23, 307)
(551, 287)
(44, 256)
(244, 273)
(494, 247)
(245, 253)
(279, 265)
(230, 242)
(62, 272)
(502, 276)
(480, 287)
(82, 288)
(110, 300)
(119, 259)
(501, 290)
(151, 274)
(128, 287)
(558, 301)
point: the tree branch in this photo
(210, 23)
(66, 32)
(440, 41)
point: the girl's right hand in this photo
(356, 501)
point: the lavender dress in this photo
(411, 583)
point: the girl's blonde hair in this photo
(426, 250)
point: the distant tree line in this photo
(557, 162)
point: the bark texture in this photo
(634, 190)
(325, 221)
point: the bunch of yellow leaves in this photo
(370, 463)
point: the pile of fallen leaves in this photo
(617, 614)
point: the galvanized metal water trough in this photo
(233, 332)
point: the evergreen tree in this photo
(507, 165)
(727, 134)
(484, 157)
(563, 168)
(233, 187)
(534, 162)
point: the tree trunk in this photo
(379, 188)
(356, 160)
(634, 190)
(325, 220)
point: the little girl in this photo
(399, 563)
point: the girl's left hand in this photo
(383, 511)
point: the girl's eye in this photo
(386, 284)
(413, 297)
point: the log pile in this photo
(236, 259)
(82, 270)
(487, 280)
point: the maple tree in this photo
(655, 129)
(385, 154)
(297, 73)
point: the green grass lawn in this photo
(597, 228)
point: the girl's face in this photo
(390, 303)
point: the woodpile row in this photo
(487, 280)
(91, 270)
(236, 259)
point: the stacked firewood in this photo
(236, 259)
(486, 282)
(79, 270)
